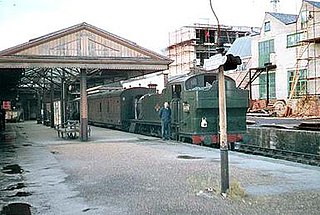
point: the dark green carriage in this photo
(115, 108)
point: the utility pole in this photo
(228, 62)
(222, 119)
(223, 132)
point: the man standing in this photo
(165, 116)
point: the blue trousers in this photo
(165, 130)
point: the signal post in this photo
(223, 63)
(223, 132)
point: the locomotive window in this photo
(200, 81)
(176, 91)
(100, 109)
(192, 83)
(209, 80)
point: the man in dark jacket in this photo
(165, 116)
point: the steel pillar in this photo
(83, 106)
(63, 98)
(51, 102)
(39, 117)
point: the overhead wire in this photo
(218, 23)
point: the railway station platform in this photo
(124, 173)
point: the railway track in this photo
(305, 158)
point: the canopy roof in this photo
(82, 46)
(105, 56)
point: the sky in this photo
(146, 22)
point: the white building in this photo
(156, 80)
(270, 47)
(288, 50)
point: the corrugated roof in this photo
(285, 18)
(314, 3)
(241, 47)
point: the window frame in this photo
(301, 85)
(263, 85)
(296, 38)
(267, 26)
(265, 48)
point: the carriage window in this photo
(176, 91)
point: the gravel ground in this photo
(120, 173)
(138, 179)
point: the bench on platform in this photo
(70, 129)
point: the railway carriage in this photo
(115, 108)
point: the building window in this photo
(201, 56)
(205, 36)
(198, 36)
(301, 83)
(243, 66)
(304, 18)
(294, 39)
(210, 36)
(267, 26)
(265, 48)
(263, 85)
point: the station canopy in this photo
(106, 57)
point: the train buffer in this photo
(70, 129)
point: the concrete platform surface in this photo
(123, 173)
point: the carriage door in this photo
(136, 107)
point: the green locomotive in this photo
(195, 110)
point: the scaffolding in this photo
(191, 45)
(308, 40)
(181, 49)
